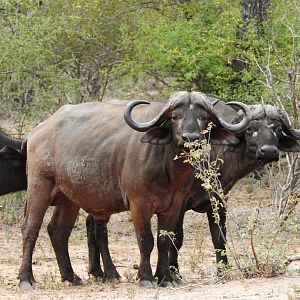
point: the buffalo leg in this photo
(175, 247)
(218, 234)
(164, 239)
(101, 237)
(142, 226)
(59, 229)
(36, 206)
(94, 251)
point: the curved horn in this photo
(235, 128)
(287, 128)
(161, 118)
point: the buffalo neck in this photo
(175, 169)
(237, 164)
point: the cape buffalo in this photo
(84, 156)
(268, 132)
(12, 164)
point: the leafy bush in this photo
(57, 52)
(259, 237)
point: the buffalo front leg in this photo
(165, 237)
(175, 247)
(141, 221)
(218, 234)
(59, 229)
(38, 199)
(101, 236)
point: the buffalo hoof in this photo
(167, 284)
(114, 279)
(77, 280)
(175, 275)
(97, 274)
(27, 286)
(147, 284)
(112, 276)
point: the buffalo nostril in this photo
(268, 151)
(190, 137)
(184, 137)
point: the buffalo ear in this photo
(220, 136)
(288, 144)
(13, 156)
(157, 136)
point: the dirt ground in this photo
(197, 261)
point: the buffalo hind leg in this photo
(38, 199)
(59, 229)
(142, 225)
(94, 251)
(218, 234)
(101, 237)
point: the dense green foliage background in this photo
(56, 52)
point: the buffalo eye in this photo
(275, 127)
(201, 115)
(278, 129)
(176, 117)
(250, 130)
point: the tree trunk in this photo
(254, 11)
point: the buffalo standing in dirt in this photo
(268, 132)
(85, 156)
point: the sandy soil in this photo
(196, 261)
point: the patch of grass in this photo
(196, 258)
(2, 281)
(130, 275)
(49, 280)
(12, 208)
(294, 293)
(12, 260)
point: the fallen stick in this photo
(291, 258)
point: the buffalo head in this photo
(184, 118)
(268, 132)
